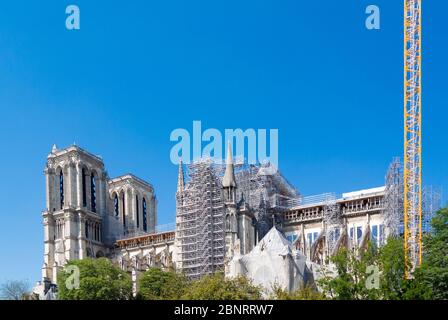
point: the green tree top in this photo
(99, 279)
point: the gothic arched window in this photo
(145, 224)
(137, 211)
(93, 192)
(87, 229)
(61, 189)
(116, 208)
(84, 188)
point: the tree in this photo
(217, 287)
(156, 284)
(429, 281)
(14, 290)
(353, 275)
(433, 273)
(305, 293)
(393, 284)
(98, 279)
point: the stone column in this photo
(134, 209)
(128, 204)
(82, 236)
(153, 216)
(69, 236)
(72, 201)
(79, 185)
(48, 245)
(88, 191)
(49, 186)
(99, 195)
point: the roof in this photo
(273, 242)
(363, 193)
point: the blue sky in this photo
(139, 69)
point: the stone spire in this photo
(180, 178)
(54, 148)
(229, 175)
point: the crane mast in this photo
(412, 135)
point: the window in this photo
(87, 230)
(334, 234)
(116, 205)
(358, 233)
(145, 224)
(84, 189)
(337, 233)
(374, 234)
(137, 211)
(312, 237)
(61, 189)
(351, 233)
(291, 238)
(93, 192)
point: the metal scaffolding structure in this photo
(333, 222)
(394, 198)
(432, 202)
(267, 193)
(394, 202)
(200, 210)
(200, 220)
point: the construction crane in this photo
(412, 134)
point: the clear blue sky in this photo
(139, 69)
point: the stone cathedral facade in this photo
(89, 214)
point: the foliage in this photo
(430, 280)
(156, 284)
(352, 275)
(305, 293)
(433, 274)
(216, 287)
(14, 290)
(99, 279)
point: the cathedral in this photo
(234, 218)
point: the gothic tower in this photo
(75, 206)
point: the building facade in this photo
(87, 212)
(222, 212)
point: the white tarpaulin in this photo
(273, 261)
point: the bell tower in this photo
(75, 206)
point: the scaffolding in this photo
(432, 202)
(394, 205)
(200, 220)
(267, 193)
(332, 219)
(394, 198)
(200, 210)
